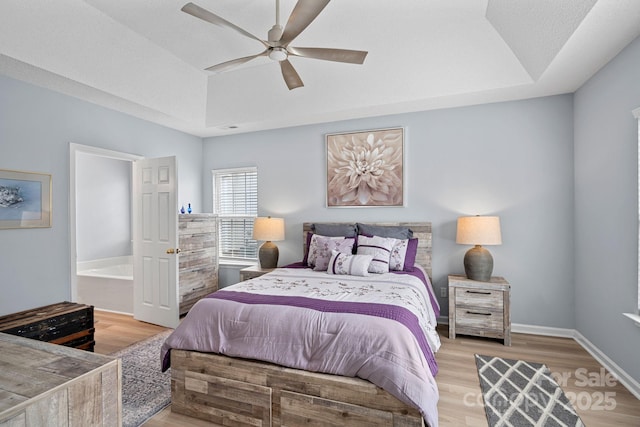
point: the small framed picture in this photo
(25, 199)
(366, 168)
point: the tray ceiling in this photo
(147, 58)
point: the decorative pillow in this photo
(394, 231)
(378, 247)
(305, 258)
(410, 257)
(308, 248)
(334, 230)
(321, 247)
(403, 255)
(353, 265)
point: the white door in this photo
(155, 237)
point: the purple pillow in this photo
(410, 257)
(306, 249)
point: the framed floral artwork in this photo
(365, 169)
(25, 199)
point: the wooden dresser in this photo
(43, 384)
(65, 323)
(198, 261)
(480, 308)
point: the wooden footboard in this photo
(238, 392)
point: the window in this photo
(636, 316)
(235, 200)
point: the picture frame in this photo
(366, 168)
(25, 199)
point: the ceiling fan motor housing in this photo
(275, 33)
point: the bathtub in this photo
(107, 283)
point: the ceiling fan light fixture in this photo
(278, 54)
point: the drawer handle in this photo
(479, 313)
(479, 292)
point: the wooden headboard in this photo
(421, 230)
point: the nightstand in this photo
(479, 308)
(253, 271)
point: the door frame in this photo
(74, 149)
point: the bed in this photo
(243, 356)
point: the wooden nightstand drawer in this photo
(488, 321)
(487, 298)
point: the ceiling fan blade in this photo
(327, 54)
(291, 77)
(205, 15)
(235, 62)
(304, 12)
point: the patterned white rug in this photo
(146, 390)
(519, 393)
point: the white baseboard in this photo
(629, 382)
(520, 328)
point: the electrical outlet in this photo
(443, 292)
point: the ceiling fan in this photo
(277, 44)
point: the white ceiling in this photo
(147, 58)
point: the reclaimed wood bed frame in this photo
(239, 392)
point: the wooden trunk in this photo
(238, 392)
(198, 261)
(42, 384)
(66, 323)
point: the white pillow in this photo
(378, 247)
(353, 265)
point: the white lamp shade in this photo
(479, 230)
(268, 229)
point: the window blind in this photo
(235, 195)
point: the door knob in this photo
(173, 251)
(170, 251)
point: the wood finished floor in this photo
(460, 401)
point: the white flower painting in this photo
(365, 168)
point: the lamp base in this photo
(268, 255)
(478, 264)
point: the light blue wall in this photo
(511, 159)
(606, 208)
(36, 127)
(103, 207)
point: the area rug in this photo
(146, 390)
(518, 393)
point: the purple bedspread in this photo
(399, 314)
(381, 343)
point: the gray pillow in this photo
(334, 229)
(395, 231)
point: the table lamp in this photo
(268, 230)
(478, 231)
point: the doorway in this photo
(100, 228)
